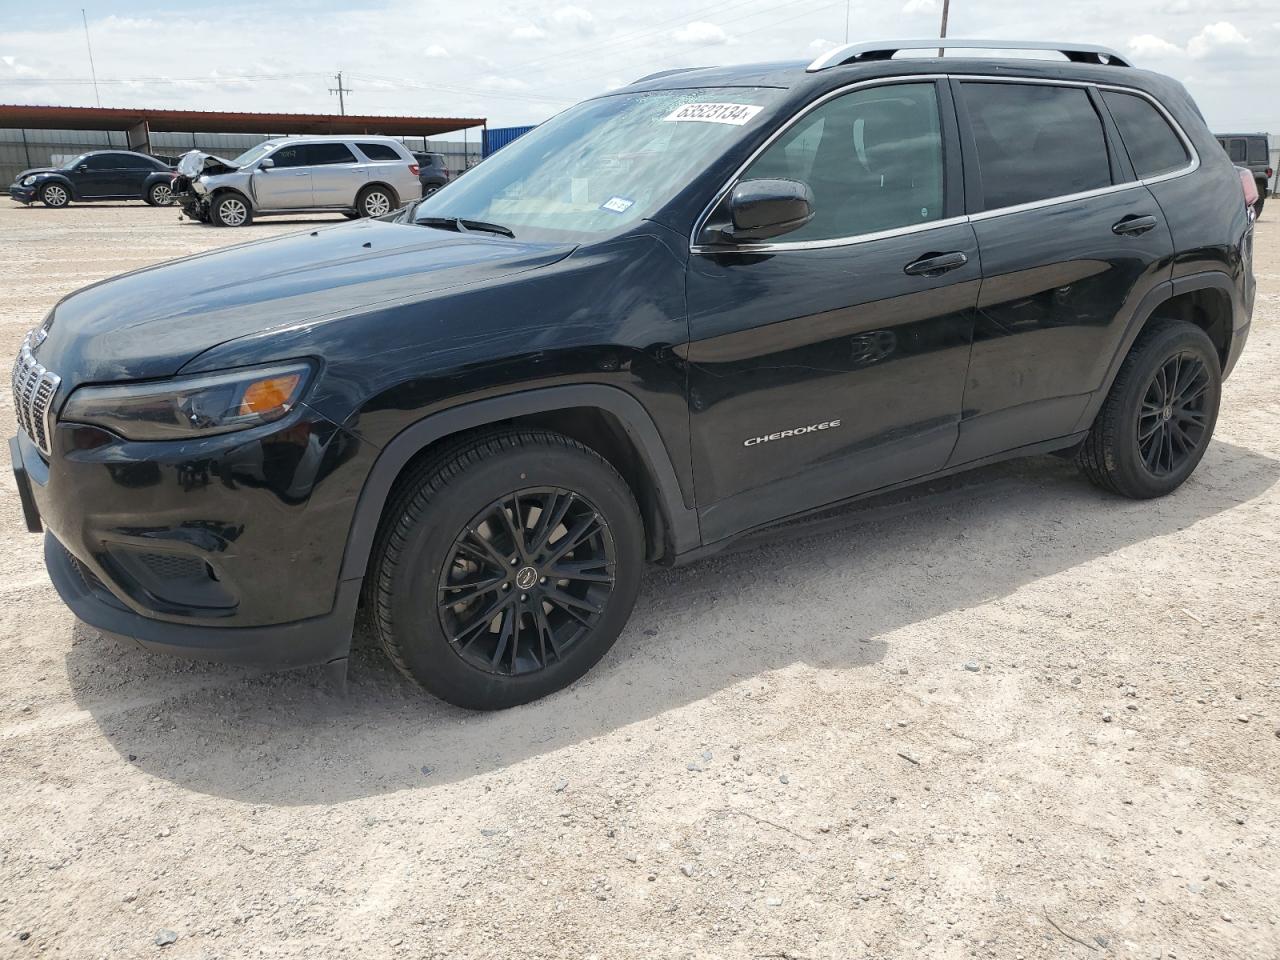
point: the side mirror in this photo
(761, 209)
(82, 168)
(265, 164)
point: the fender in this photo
(1147, 307)
(65, 181)
(160, 176)
(682, 521)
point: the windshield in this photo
(72, 164)
(253, 153)
(601, 165)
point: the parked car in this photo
(676, 313)
(1251, 150)
(433, 172)
(362, 176)
(97, 175)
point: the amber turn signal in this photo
(266, 396)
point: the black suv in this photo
(433, 172)
(100, 175)
(687, 309)
(1252, 151)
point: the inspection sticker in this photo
(733, 113)
(617, 204)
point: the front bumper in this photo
(225, 547)
(22, 194)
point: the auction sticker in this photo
(617, 204)
(733, 113)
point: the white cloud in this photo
(701, 33)
(822, 46)
(1217, 39)
(919, 6)
(435, 50)
(573, 16)
(1149, 45)
(528, 32)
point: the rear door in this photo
(831, 360)
(336, 176)
(1070, 244)
(134, 169)
(287, 185)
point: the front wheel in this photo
(1157, 421)
(55, 195)
(505, 568)
(230, 210)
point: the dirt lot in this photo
(784, 756)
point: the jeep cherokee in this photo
(684, 310)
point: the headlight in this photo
(191, 406)
(28, 181)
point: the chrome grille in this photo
(34, 388)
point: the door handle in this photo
(1133, 225)
(935, 264)
(302, 173)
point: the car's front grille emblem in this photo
(34, 388)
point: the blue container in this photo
(498, 137)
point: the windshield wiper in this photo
(465, 226)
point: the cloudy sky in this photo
(519, 61)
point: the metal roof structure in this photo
(222, 121)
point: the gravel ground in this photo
(1002, 716)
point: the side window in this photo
(132, 162)
(322, 154)
(290, 156)
(873, 159)
(1154, 148)
(1236, 150)
(378, 151)
(103, 161)
(1258, 150)
(1035, 142)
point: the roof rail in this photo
(663, 73)
(885, 49)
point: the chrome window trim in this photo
(783, 245)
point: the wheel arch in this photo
(395, 194)
(61, 181)
(1209, 300)
(607, 419)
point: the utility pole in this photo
(92, 72)
(946, 9)
(340, 90)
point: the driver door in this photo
(831, 360)
(287, 185)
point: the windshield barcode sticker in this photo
(733, 113)
(617, 204)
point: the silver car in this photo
(359, 176)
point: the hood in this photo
(27, 173)
(150, 323)
(194, 164)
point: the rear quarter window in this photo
(1154, 148)
(378, 151)
(1035, 142)
(1258, 150)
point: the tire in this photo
(230, 210)
(431, 188)
(1158, 418)
(375, 201)
(519, 635)
(1257, 207)
(160, 195)
(351, 215)
(55, 195)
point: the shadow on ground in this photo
(823, 592)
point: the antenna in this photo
(340, 90)
(946, 10)
(92, 72)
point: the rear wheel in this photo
(1257, 207)
(1157, 421)
(54, 195)
(230, 210)
(505, 568)
(375, 201)
(160, 195)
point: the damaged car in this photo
(362, 176)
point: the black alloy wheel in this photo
(525, 580)
(1173, 420)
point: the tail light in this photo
(1250, 187)
(413, 168)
